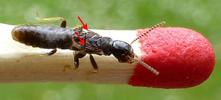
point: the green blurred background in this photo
(201, 15)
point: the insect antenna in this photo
(148, 31)
(136, 58)
(153, 70)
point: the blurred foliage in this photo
(200, 15)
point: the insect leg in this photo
(77, 55)
(94, 64)
(50, 19)
(52, 52)
(63, 23)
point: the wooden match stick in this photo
(22, 63)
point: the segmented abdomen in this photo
(43, 36)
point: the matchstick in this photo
(179, 66)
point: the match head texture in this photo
(183, 57)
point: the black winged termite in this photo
(52, 37)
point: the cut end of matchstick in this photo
(183, 57)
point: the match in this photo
(183, 58)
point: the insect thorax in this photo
(94, 43)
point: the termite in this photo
(53, 37)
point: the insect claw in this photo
(75, 68)
(75, 65)
(95, 71)
(52, 52)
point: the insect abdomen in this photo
(43, 36)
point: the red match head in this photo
(183, 57)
